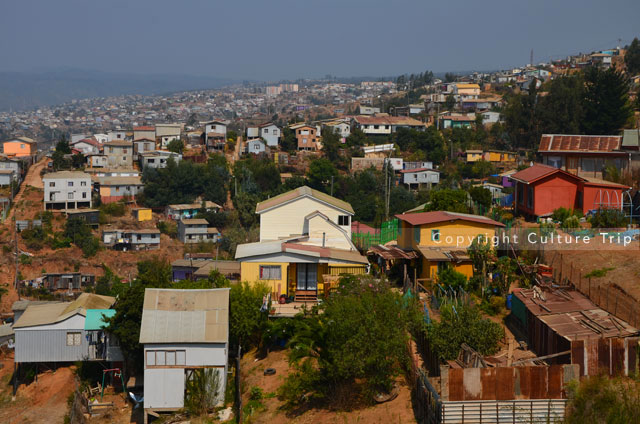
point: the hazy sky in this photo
(274, 39)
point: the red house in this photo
(540, 189)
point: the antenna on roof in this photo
(531, 58)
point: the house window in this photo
(70, 183)
(74, 338)
(83, 183)
(124, 151)
(266, 131)
(22, 146)
(435, 235)
(520, 194)
(69, 195)
(84, 194)
(110, 149)
(52, 184)
(416, 234)
(530, 197)
(343, 220)
(270, 272)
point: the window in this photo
(110, 149)
(124, 151)
(124, 158)
(69, 195)
(22, 146)
(83, 183)
(530, 197)
(416, 234)
(435, 235)
(270, 272)
(84, 194)
(520, 194)
(343, 220)
(70, 183)
(266, 131)
(52, 184)
(74, 338)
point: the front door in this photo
(307, 277)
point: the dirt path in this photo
(32, 179)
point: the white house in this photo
(256, 146)
(86, 146)
(215, 134)
(418, 176)
(343, 129)
(490, 117)
(66, 331)
(67, 190)
(184, 332)
(158, 158)
(270, 133)
(116, 135)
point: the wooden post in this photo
(590, 289)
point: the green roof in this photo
(95, 318)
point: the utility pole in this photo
(15, 238)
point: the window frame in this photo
(266, 272)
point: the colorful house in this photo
(441, 238)
(540, 189)
(20, 147)
(583, 155)
(305, 244)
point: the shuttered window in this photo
(74, 339)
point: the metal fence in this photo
(507, 411)
(388, 232)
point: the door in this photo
(307, 277)
(572, 165)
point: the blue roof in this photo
(94, 319)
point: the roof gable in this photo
(539, 171)
(299, 193)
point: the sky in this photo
(289, 39)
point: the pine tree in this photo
(606, 101)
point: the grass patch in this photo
(598, 273)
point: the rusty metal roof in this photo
(391, 252)
(580, 143)
(554, 302)
(185, 316)
(589, 323)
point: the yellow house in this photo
(497, 156)
(142, 214)
(305, 244)
(442, 239)
(473, 155)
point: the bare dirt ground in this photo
(41, 402)
(398, 410)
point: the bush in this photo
(451, 278)
(608, 218)
(560, 214)
(600, 399)
(463, 325)
(494, 306)
(571, 222)
(113, 209)
(168, 228)
(25, 259)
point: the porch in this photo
(306, 282)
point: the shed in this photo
(184, 332)
(142, 214)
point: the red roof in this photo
(91, 141)
(359, 227)
(144, 128)
(423, 218)
(580, 143)
(537, 171)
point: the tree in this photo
(125, 325)
(175, 146)
(320, 173)
(400, 200)
(632, 57)
(506, 270)
(606, 101)
(482, 196)
(246, 320)
(334, 349)
(450, 102)
(192, 120)
(450, 278)
(79, 232)
(561, 111)
(450, 77)
(519, 115)
(289, 142)
(448, 200)
(603, 399)
(62, 149)
(482, 169)
(331, 145)
(464, 324)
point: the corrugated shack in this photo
(67, 280)
(184, 332)
(55, 332)
(90, 216)
(567, 324)
(197, 269)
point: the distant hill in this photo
(26, 90)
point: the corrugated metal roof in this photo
(278, 246)
(433, 217)
(579, 143)
(56, 312)
(537, 171)
(6, 330)
(299, 192)
(391, 252)
(185, 316)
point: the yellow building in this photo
(473, 155)
(442, 239)
(305, 244)
(142, 214)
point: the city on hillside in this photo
(429, 246)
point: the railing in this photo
(388, 232)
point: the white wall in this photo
(288, 219)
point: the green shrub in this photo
(113, 209)
(494, 306)
(25, 259)
(601, 399)
(608, 218)
(168, 228)
(598, 273)
(450, 278)
(571, 222)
